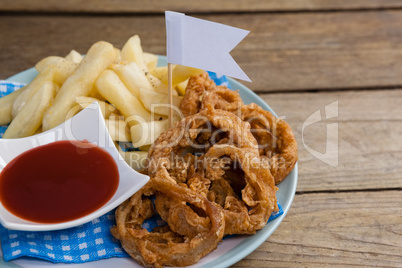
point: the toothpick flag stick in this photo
(170, 92)
(202, 44)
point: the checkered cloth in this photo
(89, 242)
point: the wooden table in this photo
(302, 57)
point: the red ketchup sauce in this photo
(58, 182)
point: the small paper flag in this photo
(203, 44)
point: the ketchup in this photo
(58, 182)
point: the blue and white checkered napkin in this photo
(89, 242)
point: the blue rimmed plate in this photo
(230, 251)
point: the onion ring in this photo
(202, 92)
(276, 141)
(247, 201)
(212, 174)
(180, 217)
(243, 215)
(210, 125)
(163, 246)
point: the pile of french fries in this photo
(130, 88)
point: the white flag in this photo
(203, 44)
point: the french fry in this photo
(118, 55)
(145, 148)
(60, 67)
(84, 100)
(135, 159)
(74, 56)
(159, 86)
(114, 91)
(106, 108)
(6, 106)
(181, 73)
(30, 89)
(80, 83)
(160, 72)
(43, 63)
(151, 60)
(73, 111)
(132, 77)
(118, 130)
(95, 94)
(180, 76)
(129, 87)
(157, 102)
(29, 119)
(132, 51)
(146, 133)
(63, 70)
(57, 70)
(181, 87)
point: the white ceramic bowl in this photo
(86, 125)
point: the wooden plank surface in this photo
(140, 6)
(347, 215)
(296, 52)
(336, 230)
(368, 131)
(369, 147)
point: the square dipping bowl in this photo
(87, 125)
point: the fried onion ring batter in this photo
(163, 246)
(275, 138)
(244, 213)
(213, 126)
(212, 174)
(276, 142)
(202, 92)
(249, 209)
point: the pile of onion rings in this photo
(213, 174)
(163, 246)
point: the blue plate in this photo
(231, 250)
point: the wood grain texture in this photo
(141, 6)
(369, 128)
(283, 51)
(368, 149)
(336, 230)
(344, 215)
